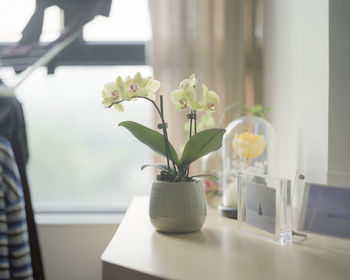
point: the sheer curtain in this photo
(208, 38)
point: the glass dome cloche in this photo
(249, 144)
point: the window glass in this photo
(13, 19)
(51, 24)
(79, 158)
(129, 20)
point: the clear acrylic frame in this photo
(321, 209)
(264, 207)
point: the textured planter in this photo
(177, 207)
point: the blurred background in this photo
(79, 159)
(288, 55)
(70, 134)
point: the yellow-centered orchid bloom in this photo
(125, 90)
(185, 95)
(191, 82)
(139, 86)
(179, 98)
(128, 90)
(111, 93)
(210, 99)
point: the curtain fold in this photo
(204, 37)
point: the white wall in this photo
(339, 86)
(296, 81)
(73, 251)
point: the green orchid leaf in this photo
(151, 138)
(161, 166)
(201, 144)
(209, 176)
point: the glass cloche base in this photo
(228, 212)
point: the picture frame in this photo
(264, 207)
(321, 209)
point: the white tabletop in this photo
(217, 251)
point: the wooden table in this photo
(217, 251)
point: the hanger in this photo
(31, 34)
(9, 89)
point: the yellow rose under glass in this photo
(249, 144)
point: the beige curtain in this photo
(205, 37)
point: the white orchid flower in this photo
(191, 81)
(210, 99)
(111, 93)
(127, 89)
(139, 86)
(185, 95)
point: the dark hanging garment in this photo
(12, 127)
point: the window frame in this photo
(87, 53)
(84, 53)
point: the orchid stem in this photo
(195, 121)
(190, 124)
(165, 134)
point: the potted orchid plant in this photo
(177, 202)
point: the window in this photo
(14, 24)
(129, 21)
(79, 159)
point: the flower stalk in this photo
(176, 169)
(193, 123)
(165, 134)
(190, 116)
(162, 126)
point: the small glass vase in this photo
(212, 164)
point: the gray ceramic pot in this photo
(177, 207)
